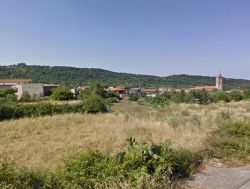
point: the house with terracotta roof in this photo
(150, 91)
(119, 89)
(6, 83)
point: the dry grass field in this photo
(44, 142)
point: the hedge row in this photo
(18, 110)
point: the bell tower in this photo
(219, 85)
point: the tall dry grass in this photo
(45, 142)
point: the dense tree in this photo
(69, 76)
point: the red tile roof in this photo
(118, 88)
(3, 81)
(151, 90)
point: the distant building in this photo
(137, 90)
(218, 85)
(34, 89)
(6, 83)
(165, 89)
(219, 82)
(119, 89)
(150, 91)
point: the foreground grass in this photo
(44, 142)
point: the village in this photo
(22, 86)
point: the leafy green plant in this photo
(62, 93)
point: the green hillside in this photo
(71, 76)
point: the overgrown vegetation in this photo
(140, 165)
(62, 93)
(231, 140)
(200, 97)
(19, 110)
(133, 96)
(7, 95)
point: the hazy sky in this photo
(158, 37)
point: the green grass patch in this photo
(231, 140)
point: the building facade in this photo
(34, 89)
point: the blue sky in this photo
(157, 37)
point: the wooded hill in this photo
(70, 76)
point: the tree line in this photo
(71, 77)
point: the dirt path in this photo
(219, 177)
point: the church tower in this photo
(219, 82)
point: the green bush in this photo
(94, 104)
(220, 96)
(157, 100)
(236, 95)
(62, 93)
(99, 91)
(18, 110)
(133, 96)
(7, 91)
(247, 94)
(12, 177)
(140, 165)
(202, 96)
(11, 98)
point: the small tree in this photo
(133, 96)
(62, 93)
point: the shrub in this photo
(62, 93)
(157, 100)
(177, 97)
(247, 94)
(11, 98)
(202, 96)
(231, 140)
(95, 89)
(143, 165)
(25, 97)
(133, 96)
(14, 110)
(220, 96)
(139, 164)
(12, 177)
(236, 95)
(94, 104)
(7, 91)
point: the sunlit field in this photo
(44, 142)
